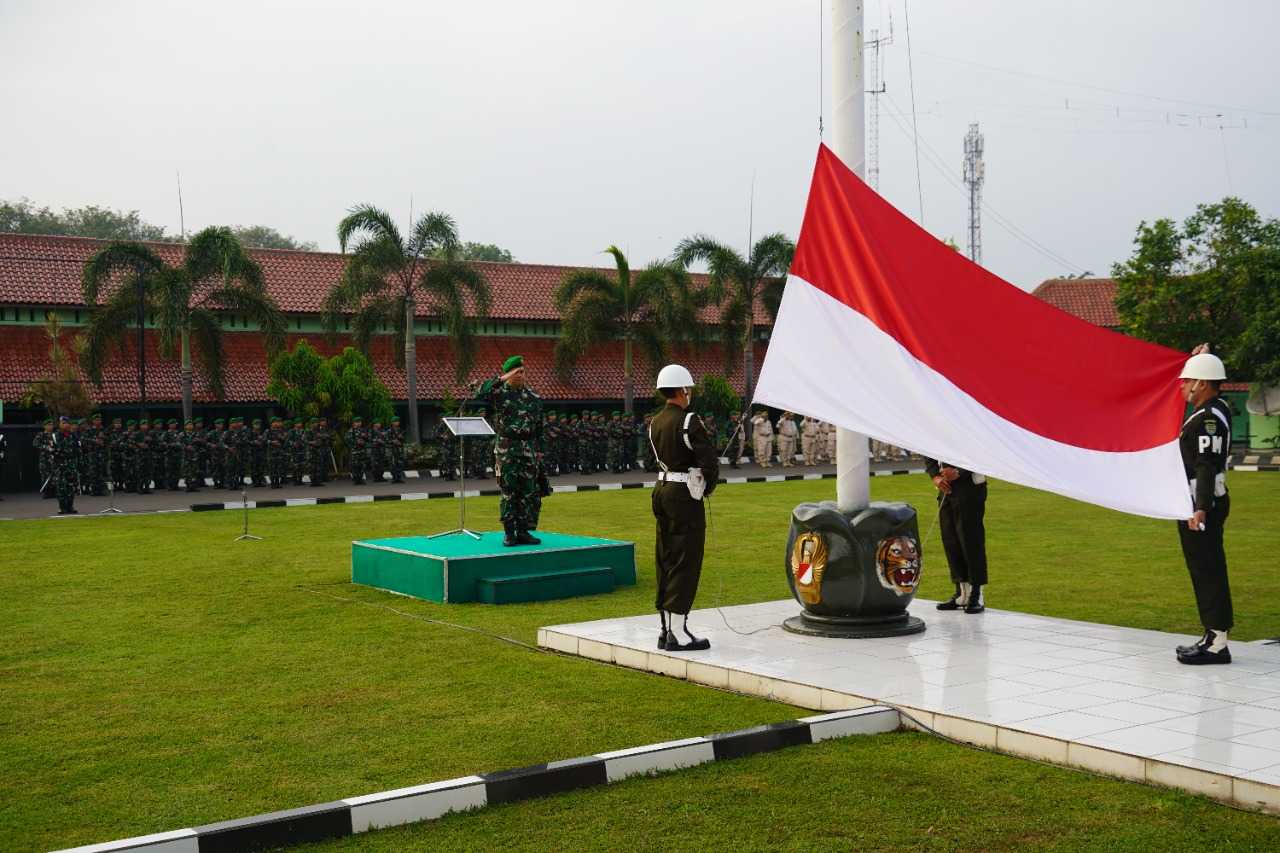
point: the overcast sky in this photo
(559, 127)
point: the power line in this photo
(939, 163)
(1113, 91)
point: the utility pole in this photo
(974, 173)
(848, 142)
(875, 70)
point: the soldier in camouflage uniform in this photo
(377, 451)
(93, 441)
(448, 451)
(141, 441)
(217, 456)
(277, 453)
(43, 445)
(233, 454)
(316, 437)
(297, 446)
(551, 441)
(202, 451)
(479, 451)
(568, 444)
(257, 450)
(65, 450)
(326, 448)
(517, 413)
(395, 450)
(189, 441)
(357, 440)
(115, 455)
(171, 444)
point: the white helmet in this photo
(1204, 366)
(674, 376)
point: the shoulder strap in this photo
(656, 457)
(684, 430)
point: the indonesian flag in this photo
(886, 331)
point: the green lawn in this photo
(157, 674)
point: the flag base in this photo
(854, 575)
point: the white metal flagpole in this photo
(848, 95)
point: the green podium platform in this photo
(457, 568)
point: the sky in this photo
(558, 128)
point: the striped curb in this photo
(488, 493)
(341, 818)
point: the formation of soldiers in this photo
(814, 439)
(87, 457)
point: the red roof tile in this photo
(45, 270)
(1091, 299)
(24, 358)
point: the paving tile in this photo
(1213, 725)
(1132, 713)
(1265, 738)
(1069, 725)
(1141, 740)
(1066, 699)
(1183, 702)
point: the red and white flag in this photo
(887, 331)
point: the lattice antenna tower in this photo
(875, 76)
(974, 173)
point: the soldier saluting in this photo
(1205, 443)
(517, 413)
(689, 467)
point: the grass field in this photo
(157, 674)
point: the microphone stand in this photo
(462, 475)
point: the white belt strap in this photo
(684, 430)
(673, 476)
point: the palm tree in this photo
(653, 307)
(216, 275)
(736, 283)
(386, 274)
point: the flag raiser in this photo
(887, 331)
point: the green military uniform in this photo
(65, 452)
(233, 448)
(394, 440)
(43, 446)
(172, 443)
(517, 415)
(142, 469)
(277, 453)
(377, 451)
(189, 443)
(681, 442)
(448, 451)
(93, 440)
(357, 440)
(296, 442)
(257, 454)
(115, 455)
(316, 438)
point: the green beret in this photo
(217, 421)
(257, 421)
(275, 419)
(617, 414)
(199, 421)
(157, 421)
(173, 421)
(395, 419)
(512, 363)
(115, 420)
(357, 420)
(188, 422)
(288, 422)
(48, 421)
(97, 416)
(130, 422)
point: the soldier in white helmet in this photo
(1205, 444)
(688, 467)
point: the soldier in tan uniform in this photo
(787, 434)
(830, 451)
(810, 432)
(762, 438)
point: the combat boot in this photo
(975, 605)
(510, 539)
(524, 538)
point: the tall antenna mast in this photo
(876, 72)
(182, 219)
(974, 173)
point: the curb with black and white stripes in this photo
(341, 818)
(484, 493)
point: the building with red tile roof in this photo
(1092, 299)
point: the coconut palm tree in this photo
(385, 277)
(650, 308)
(736, 285)
(216, 276)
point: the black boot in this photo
(695, 644)
(664, 636)
(952, 603)
(1204, 640)
(510, 539)
(975, 604)
(523, 538)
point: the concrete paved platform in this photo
(1108, 699)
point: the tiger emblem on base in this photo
(898, 564)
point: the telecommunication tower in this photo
(876, 75)
(974, 172)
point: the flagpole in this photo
(848, 94)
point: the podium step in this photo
(544, 586)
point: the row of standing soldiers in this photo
(137, 456)
(585, 443)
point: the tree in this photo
(23, 217)
(266, 237)
(484, 252)
(339, 388)
(62, 393)
(386, 274)
(715, 396)
(737, 284)
(216, 275)
(1214, 278)
(650, 308)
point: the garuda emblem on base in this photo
(898, 564)
(808, 564)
